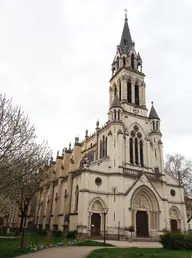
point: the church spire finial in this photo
(125, 12)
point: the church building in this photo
(117, 173)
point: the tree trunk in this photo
(23, 225)
(23, 232)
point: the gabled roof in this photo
(116, 102)
(153, 113)
(126, 41)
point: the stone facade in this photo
(119, 169)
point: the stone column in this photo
(140, 95)
(132, 91)
(144, 96)
(148, 156)
(123, 81)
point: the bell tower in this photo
(127, 81)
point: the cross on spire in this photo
(125, 12)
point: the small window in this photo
(124, 61)
(172, 192)
(156, 170)
(119, 114)
(91, 156)
(153, 125)
(98, 181)
(132, 61)
(115, 115)
(157, 125)
(125, 42)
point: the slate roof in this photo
(116, 102)
(126, 42)
(153, 113)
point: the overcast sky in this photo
(56, 55)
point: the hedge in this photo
(176, 241)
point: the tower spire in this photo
(153, 113)
(126, 40)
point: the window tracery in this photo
(136, 147)
(103, 147)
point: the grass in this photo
(138, 252)
(10, 247)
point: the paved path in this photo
(134, 244)
(83, 251)
(62, 252)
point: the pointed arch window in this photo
(76, 198)
(141, 152)
(120, 92)
(101, 149)
(103, 143)
(115, 114)
(129, 93)
(136, 147)
(157, 125)
(136, 152)
(124, 61)
(131, 150)
(137, 94)
(153, 125)
(105, 147)
(119, 114)
(132, 61)
(117, 62)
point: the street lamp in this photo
(105, 210)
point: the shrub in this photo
(57, 233)
(72, 234)
(42, 232)
(176, 241)
(131, 229)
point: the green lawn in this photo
(138, 252)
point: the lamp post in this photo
(105, 210)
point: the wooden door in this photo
(142, 229)
(95, 224)
(174, 226)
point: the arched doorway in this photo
(95, 224)
(174, 226)
(175, 219)
(96, 217)
(142, 227)
(145, 211)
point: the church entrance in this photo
(174, 226)
(145, 212)
(95, 224)
(142, 224)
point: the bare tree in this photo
(16, 136)
(33, 175)
(181, 169)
